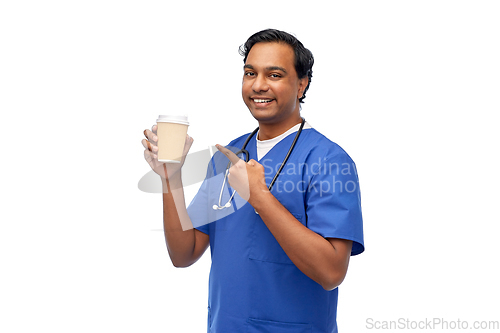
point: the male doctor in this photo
(279, 255)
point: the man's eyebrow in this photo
(270, 68)
(276, 68)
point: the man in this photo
(278, 259)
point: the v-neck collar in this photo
(268, 145)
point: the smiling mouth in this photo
(262, 101)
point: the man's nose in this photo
(260, 84)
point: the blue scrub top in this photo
(253, 285)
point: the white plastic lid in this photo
(177, 119)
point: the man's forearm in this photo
(314, 255)
(177, 226)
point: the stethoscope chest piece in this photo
(218, 207)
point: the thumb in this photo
(188, 144)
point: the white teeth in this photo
(262, 100)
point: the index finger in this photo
(232, 156)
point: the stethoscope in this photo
(247, 158)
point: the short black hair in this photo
(304, 59)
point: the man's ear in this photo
(302, 86)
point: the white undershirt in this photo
(263, 147)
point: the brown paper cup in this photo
(171, 134)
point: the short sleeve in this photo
(197, 209)
(333, 201)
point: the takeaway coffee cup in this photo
(171, 132)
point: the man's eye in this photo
(249, 74)
(274, 75)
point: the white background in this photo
(408, 88)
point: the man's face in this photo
(271, 88)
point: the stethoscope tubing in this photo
(287, 155)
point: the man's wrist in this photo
(173, 182)
(261, 198)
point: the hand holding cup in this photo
(165, 169)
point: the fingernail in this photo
(155, 138)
